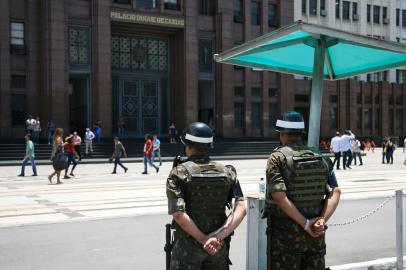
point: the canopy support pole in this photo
(316, 99)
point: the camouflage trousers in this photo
(291, 248)
(187, 254)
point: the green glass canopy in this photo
(318, 52)
(291, 49)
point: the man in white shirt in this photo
(336, 149)
(89, 136)
(346, 149)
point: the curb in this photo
(130, 160)
(379, 264)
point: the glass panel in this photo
(17, 33)
(399, 119)
(367, 119)
(205, 55)
(333, 99)
(377, 119)
(304, 7)
(313, 7)
(368, 13)
(18, 113)
(272, 18)
(130, 106)
(18, 81)
(346, 10)
(79, 45)
(273, 92)
(150, 107)
(332, 118)
(256, 115)
(146, 3)
(322, 5)
(397, 17)
(256, 92)
(358, 118)
(403, 18)
(255, 13)
(239, 91)
(17, 41)
(337, 9)
(238, 9)
(354, 8)
(377, 12)
(239, 114)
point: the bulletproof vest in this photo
(206, 194)
(305, 175)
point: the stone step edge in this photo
(378, 264)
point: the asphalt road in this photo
(137, 242)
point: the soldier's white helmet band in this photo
(198, 139)
(286, 124)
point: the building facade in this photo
(150, 63)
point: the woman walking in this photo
(71, 153)
(57, 146)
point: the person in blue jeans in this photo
(119, 151)
(29, 156)
(148, 152)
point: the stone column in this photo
(5, 95)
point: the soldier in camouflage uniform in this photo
(302, 194)
(198, 191)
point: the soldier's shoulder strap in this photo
(211, 169)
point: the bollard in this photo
(256, 235)
(399, 229)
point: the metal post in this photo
(399, 229)
(256, 235)
(316, 94)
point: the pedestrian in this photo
(37, 130)
(384, 149)
(390, 149)
(89, 136)
(120, 128)
(404, 145)
(30, 125)
(301, 195)
(71, 153)
(97, 133)
(356, 151)
(148, 149)
(57, 146)
(198, 192)
(29, 156)
(172, 133)
(77, 141)
(346, 149)
(156, 143)
(119, 152)
(335, 147)
(51, 130)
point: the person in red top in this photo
(71, 153)
(148, 149)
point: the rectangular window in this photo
(322, 5)
(397, 17)
(18, 110)
(346, 10)
(17, 34)
(304, 7)
(367, 99)
(403, 18)
(368, 119)
(302, 98)
(377, 14)
(239, 91)
(273, 114)
(313, 7)
(146, 3)
(377, 119)
(172, 4)
(358, 118)
(256, 92)
(272, 18)
(239, 114)
(238, 9)
(205, 55)
(18, 82)
(273, 92)
(206, 7)
(79, 45)
(338, 9)
(332, 118)
(359, 98)
(255, 13)
(384, 13)
(399, 119)
(256, 115)
(333, 99)
(399, 100)
(124, 2)
(368, 13)
(354, 8)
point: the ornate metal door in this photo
(139, 106)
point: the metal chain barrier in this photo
(367, 215)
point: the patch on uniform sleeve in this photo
(180, 172)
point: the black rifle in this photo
(169, 239)
(168, 245)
